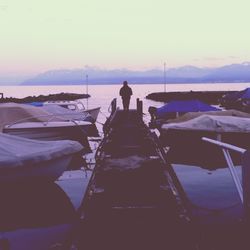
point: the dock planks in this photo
(132, 201)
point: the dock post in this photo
(113, 106)
(139, 106)
(246, 184)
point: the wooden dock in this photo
(134, 200)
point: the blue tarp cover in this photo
(183, 107)
(245, 94)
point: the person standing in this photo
(125, 93)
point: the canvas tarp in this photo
(183, 107)
(233, 97)
(14, 112)
(17, 151)
(191, 115)
(212, 123)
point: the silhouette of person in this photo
(125, 93)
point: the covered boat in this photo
(75, 106)
(238, 99)
(61, 130)
(181, 107)
(31, 160)
(186, 146)
(176, 109)
(13, 112)
(191, 115)
(37, 123)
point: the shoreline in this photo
(43, 98)
(209, 97)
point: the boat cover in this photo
(17, 151)
(192, 115)
(212, 123)
(14, 112)
(245, 94)
(184, 106)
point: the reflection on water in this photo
(212, 194)
(38, 216)
(35, 217)
(36, 205)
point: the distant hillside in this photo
(186, 74)
(230, 73)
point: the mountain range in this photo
(185, 74)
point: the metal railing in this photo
(225, 147)
(48, 118)
(113, 106)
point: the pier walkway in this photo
(134, 200)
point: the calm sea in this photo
(208, 191)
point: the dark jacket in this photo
(126, 92)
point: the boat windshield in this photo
(73, 106)
(69, 106)
(80, 106)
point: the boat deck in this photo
(133, 200)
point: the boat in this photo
(36, 123)
(29, 160)
(76, 106)
(175, 109)
(12, 112)
(238, 100)
(185, 145)
(67, 114)
(191, 115)
(48, 131)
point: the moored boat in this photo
(75, 106)
(54, 130)
(37, 123)
(176, 109)
(23, 159)
(186, 146)
(238, 100)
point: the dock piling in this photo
(139, 106)
(113, 105)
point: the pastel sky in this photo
(39, 35)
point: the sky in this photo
(36, 36)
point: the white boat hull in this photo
(77, 131)
(76, 106)
(93, 112)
